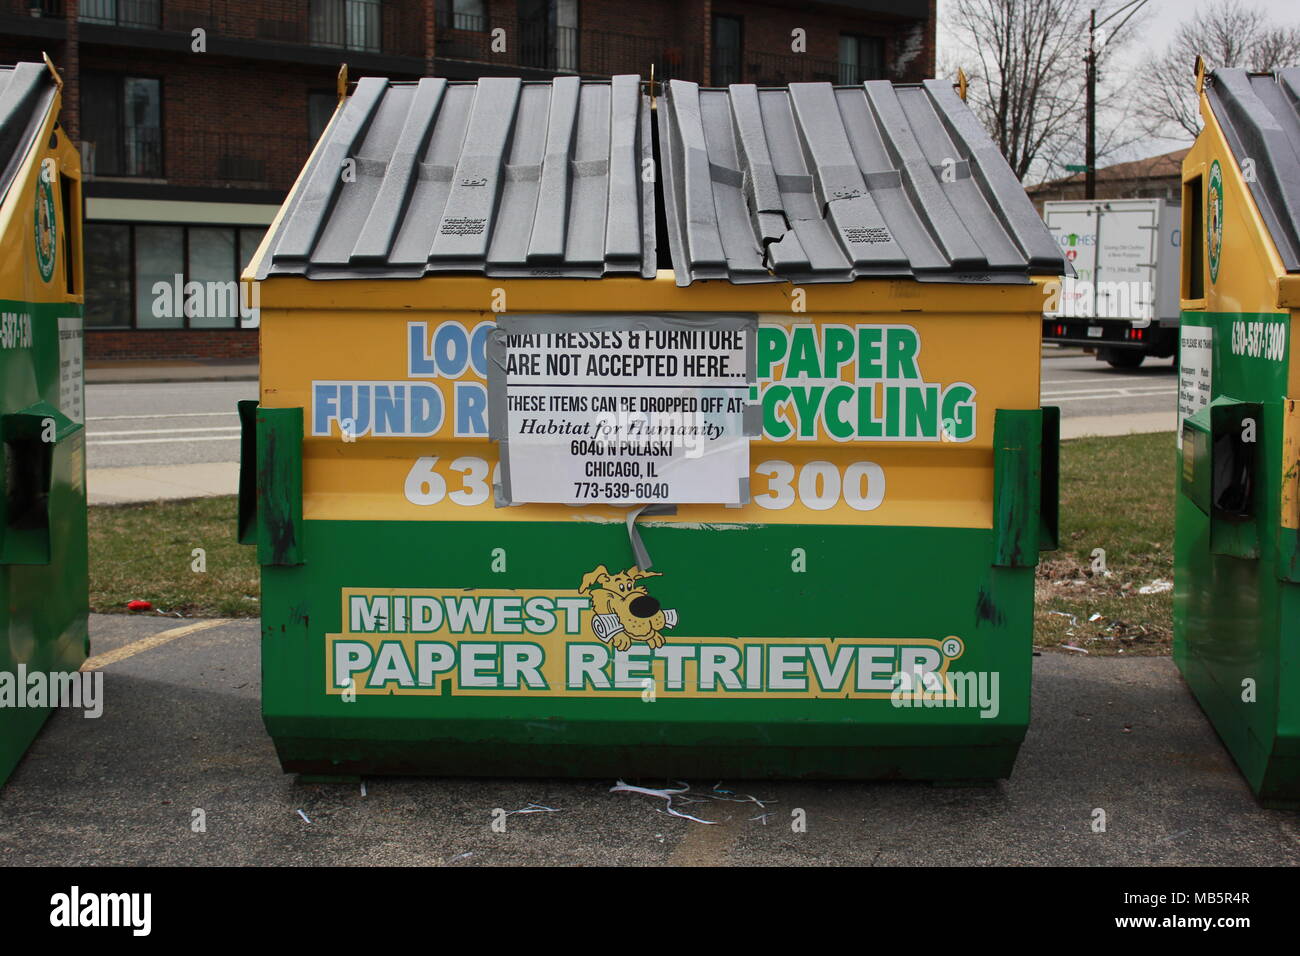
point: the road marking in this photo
(162, 441)
(1099, 382)
(168, 431)
(1161, 390)
(115, 418)
(100, 661)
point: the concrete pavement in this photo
(181, 731)
(171, 370)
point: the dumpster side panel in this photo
(429, 631)
(43, 560)
(1235, 595)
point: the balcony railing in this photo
(776, 69)
(132, 153)
(138, 14)
(196, 157)
(366, 26)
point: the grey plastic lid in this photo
(498, 177)
(819, 183)
(1259, 114)
(26, 94)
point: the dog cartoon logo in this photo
(625, 611)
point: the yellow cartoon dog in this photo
(625, 611)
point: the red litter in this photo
(139, 606)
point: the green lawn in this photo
(145, 551)
(1116, 494)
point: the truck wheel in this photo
(1123, 358)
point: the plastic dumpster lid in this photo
(26, 93)
(1258, 115)
(498, 176)
(821, 183)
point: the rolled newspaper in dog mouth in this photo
(605, 626)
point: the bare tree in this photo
(1025, 62)
(1226, 33)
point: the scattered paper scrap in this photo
(533, 808)
(303, 815)
(666, 794)
(1158, 586)
(1071, 647)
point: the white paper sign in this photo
(1195, 371)
(71, 373)
(632, 413)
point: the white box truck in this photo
(1123, 300)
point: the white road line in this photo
(1162, 390)
(1090, 398)
(1099, 380)
(161, 441)
(115, 418)
(166, 431)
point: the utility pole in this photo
(1090, 153)
(1090, 105)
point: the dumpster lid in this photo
(1259, 114)
(497, 176)
(26, 92)
(822, 183)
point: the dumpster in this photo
(603, 434)
(43, 526)
(1237, 551)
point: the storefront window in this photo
(132, 274)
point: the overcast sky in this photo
(1162, 19)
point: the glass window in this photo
(159, 259)
(352, 24)
(108, 275)
(726, 50)
(861, 59)
(121, 125)
(122, 13)
(212, 264)
(469, 15)
(320, 110)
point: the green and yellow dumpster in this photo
(43, 578)
(607, 436)
(1237, 547)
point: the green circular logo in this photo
(1214, 219)
(46, 228)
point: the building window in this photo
(141, 14)
(166, 276)
(348, 24)
(548, 34)
(320, 110)
(726, 50)
(121, 125)
(468, 15)
(861, 59)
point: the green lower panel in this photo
(1236, 609)
(43, 614)
(827, 607)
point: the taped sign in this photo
(621, 409)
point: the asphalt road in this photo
(1082, 386)
(163, 423)
(193, 422)
(181, 731)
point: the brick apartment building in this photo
(190, 140)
